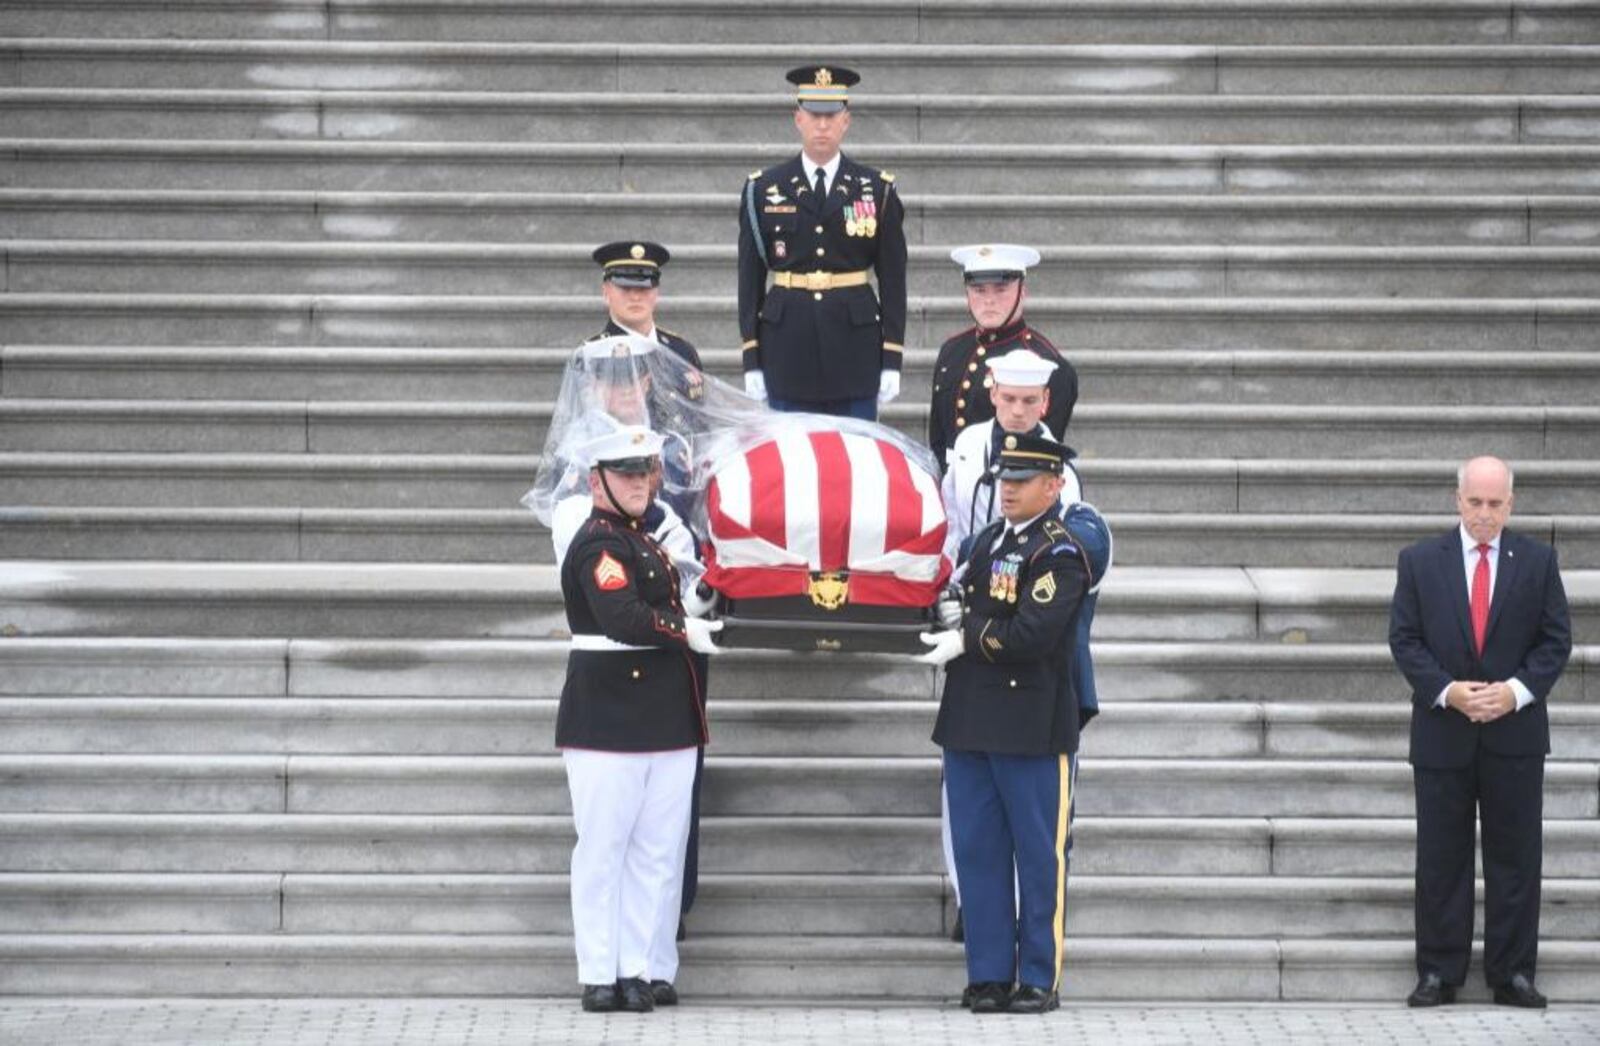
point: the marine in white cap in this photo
(629, 725)
(995, 276)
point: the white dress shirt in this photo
(831, 169)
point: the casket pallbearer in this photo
(816, 338)
(630, 721)
(1008, 723)
(995, 276)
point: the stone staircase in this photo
(288, 288)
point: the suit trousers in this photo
(1505, 794)
(1011, 825)
(631, 810)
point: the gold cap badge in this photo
(824, 77)
(636, 251)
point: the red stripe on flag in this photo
(834, 483)
(905, 504)
(766, 494)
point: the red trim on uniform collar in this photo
(1009, 332)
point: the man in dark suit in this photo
(817, 339)
(1479, 628)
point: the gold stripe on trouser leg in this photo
(1063, 826)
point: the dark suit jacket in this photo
(1430, 634)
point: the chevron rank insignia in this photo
(1044, 589)
(610, 575)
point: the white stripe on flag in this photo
(800, 496)
(733, 489)
(869, 507)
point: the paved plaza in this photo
(471, 1022)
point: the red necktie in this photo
(1480, 598)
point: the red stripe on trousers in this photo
(767, 517)
(833, 499)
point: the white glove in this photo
(888, 386)
(699, 632)
(947, 646)
(949, 611)
(696, 605)
(755, 385)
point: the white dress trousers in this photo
(631, 810)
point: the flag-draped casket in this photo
(825, 539)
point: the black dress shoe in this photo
(664, 993)
(1029, 999)
(600, 998)
(634, 995)
(1431, 991)
(990, 996)
(958, 932)
(1519, 991)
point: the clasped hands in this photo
(1481, 702)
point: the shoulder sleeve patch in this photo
(609, 574)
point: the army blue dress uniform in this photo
(1008, 723)
(818, 333)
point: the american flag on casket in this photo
(824, 527)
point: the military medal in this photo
(850, 218)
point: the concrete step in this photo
(1098, 429)
(1052, 21)
(502, 115)
(897, 67)
(1209, 847)
(1504, 325)
(43, 598)
(1359, 676)
(1204, 729)
(872, 786)
(703, 217)
(1118, 485)
(868, 968)
(512, 535)
(382, 166)
(1261, 907)
(297, 267)
(1379, 377)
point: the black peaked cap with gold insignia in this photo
(822, 88)
(631, 263)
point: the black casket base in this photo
(800, 623)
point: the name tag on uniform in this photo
(778, 209)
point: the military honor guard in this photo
(630, 721)
(1019, 393)
(630, 283)
(995, 275)
(1008, 722)
(811, 230)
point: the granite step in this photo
(1207, 728)
(145, 267)
(1357, 676)
(1197, 847)
(1247, 969)
(1376, 377)
(513, 535)
(1460, 22)
(1203, 486)
(44, 598)
(933, 118)
(502, 427)
(383, 166)
(1505, 325)
(896, 906)
(703, 217)
(870, 786)
(897, 67)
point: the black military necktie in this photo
(822, 185)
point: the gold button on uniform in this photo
(817, 296)
(966, 384)
(1012, 682)
(819, 229)
(961, 422)
(636, 673)
(961, 404)
(821, 252)
(983, 352)
(972, 367)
